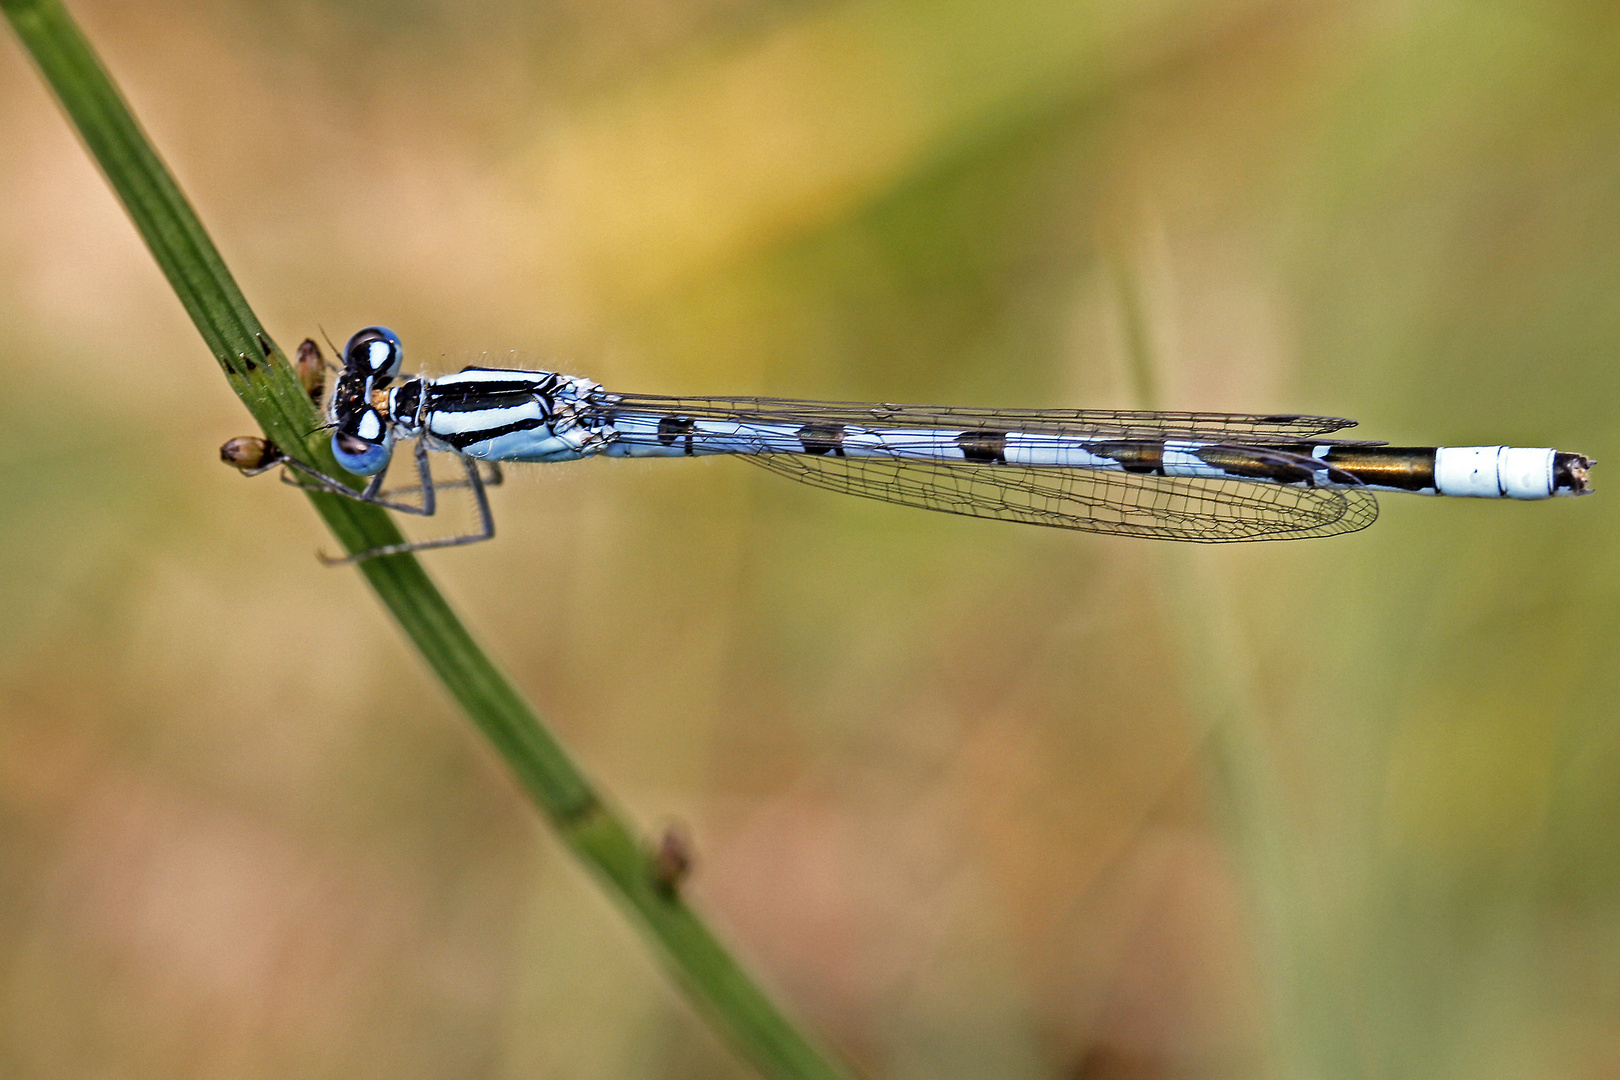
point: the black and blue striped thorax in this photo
(496, 414)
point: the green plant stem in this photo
(267, 385)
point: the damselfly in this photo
(1207, 477)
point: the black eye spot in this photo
(352, 444)
(374, 351)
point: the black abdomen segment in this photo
(1402, 468)
(1572, 473)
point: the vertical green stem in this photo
(267, 385)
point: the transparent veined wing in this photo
(933, 457)
(1200, 509)
(1083, 423)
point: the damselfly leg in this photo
(492, 476)
(373, 491)
(475, 481)
(253, 456)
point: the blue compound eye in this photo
(359, 456)
(374, 351)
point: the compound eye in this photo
(376, 352)
(360, 455)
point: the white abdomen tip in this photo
(1494, 472)
(1527, 472)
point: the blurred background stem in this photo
(261, 376)
(1307, 1025)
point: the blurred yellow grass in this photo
(742, 147)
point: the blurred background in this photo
(976, 800)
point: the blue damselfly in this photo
(1206, 477)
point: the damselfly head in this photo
(374, 352)
(362, 443)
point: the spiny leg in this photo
(486, 519)
(493, 478)
(373, 493)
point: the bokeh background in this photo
(976, 800)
